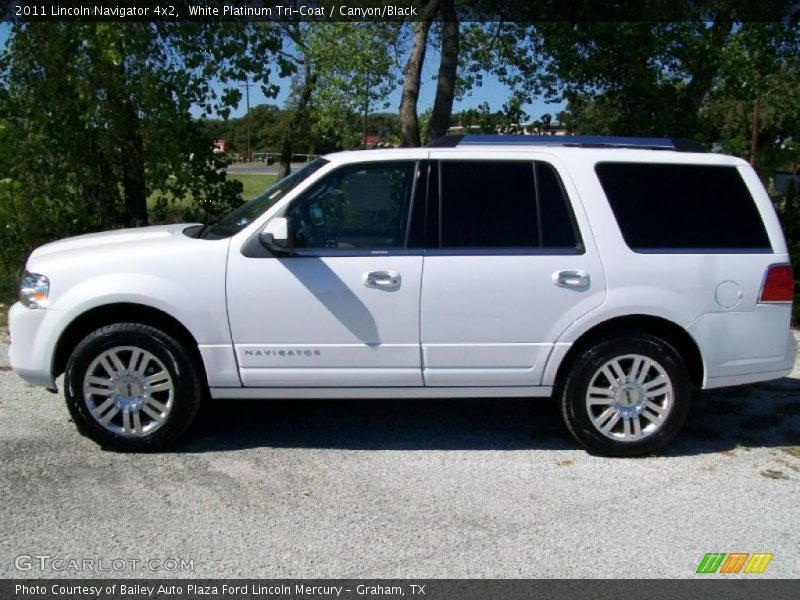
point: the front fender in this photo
(199, 313)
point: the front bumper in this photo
(31, 352)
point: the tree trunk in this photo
(366, 111)
(446, 85)
(131, 149)
(754, 134)
(287, 143)
(100, 188)
(133, 172)
(412, 73)
(364, 135)
(703, 75)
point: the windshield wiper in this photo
(206, 227)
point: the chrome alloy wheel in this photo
(128, 391)
(629, 398)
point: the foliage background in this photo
(97, 128)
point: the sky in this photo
(492, 92)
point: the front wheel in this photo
(132, 387)
(627, 396)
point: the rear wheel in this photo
(627, 396)
(132, 387)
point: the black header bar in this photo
(397, 10)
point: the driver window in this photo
(363, 206)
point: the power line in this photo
(247, 85)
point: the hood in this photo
(110, 238)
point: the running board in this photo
(264, 393)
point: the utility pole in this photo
(247, 85)
(366, 108)
(756, 120)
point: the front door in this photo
(342, 308)
(513, 268)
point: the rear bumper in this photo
(741, 348)
(31, 351)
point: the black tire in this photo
(572, 395)
(181, 365)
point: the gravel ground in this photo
(475, 488)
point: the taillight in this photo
(778, 284)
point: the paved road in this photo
(490, 488)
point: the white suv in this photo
(615, 273)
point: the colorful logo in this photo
(736, 562)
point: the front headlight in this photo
(33, 290)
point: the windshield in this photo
(238, 219)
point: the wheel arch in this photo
(672, 333)
(120, 312)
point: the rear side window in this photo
(504, 204)
(667, 207)
(558, 225)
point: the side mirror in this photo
(275, 235)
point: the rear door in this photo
(514, 265)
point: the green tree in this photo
(356, 72)
(412, 75)
(754, 108)
(339, 69)
(100, 113)
(96, 119)
(296, 58)
(449, 44)
(623, 78)
(789, 214)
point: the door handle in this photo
(571, 278)
(384, 280)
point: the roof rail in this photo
(570, 141)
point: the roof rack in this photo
(569, 141)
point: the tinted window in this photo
(236, 220)
(364, 206)
(424, 213)
(488, 204)
(690, 207)
(558, 226)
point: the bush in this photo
(30, 218)
(788, 207)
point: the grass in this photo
(253, 184)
